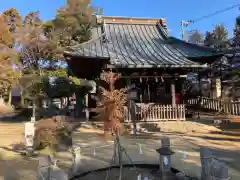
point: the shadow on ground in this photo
(230, 125)
(25, 114)
(15, 169)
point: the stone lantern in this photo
(165, 154)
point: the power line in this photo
(187, 23)
(212, 14)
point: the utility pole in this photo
(185, 24)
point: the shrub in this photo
(53, 133)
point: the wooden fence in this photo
(155, 112)
(232, 108)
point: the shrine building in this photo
(145, 54)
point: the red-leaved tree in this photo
(110, 103)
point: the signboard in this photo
(133, 94)
(218, 87)
(191, 76)
(71, 107)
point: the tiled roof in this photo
(139, 44)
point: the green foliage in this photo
(71, 26)
(236, 72)
(42, 43)
(57, 72)
(74, 80)
(209, 39)
(35, 89)
(39, 86)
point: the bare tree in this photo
(195, 37)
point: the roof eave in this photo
(113, 66)
(70, 54)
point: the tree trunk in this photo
(10, 97)
(22, 99)
(1, 100)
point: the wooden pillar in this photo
(173, 92)
(132, 107)
(86, 109)
(199, 92)
(199, 84)
(233, 91)
(148, 91)
(141, 94)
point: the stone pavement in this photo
(186, 157)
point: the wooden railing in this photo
(227, 107)
(154, 112)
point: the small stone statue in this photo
(76, 161)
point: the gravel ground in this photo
(186, 147)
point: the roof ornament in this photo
(162, 22)
(104, 37)
(99, 19)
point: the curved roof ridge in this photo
(168, 37)
(92, 40)
(129, 17)
(132, 20)
(192, 44)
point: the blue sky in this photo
(173, 10)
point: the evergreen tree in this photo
(209, 39)
(236, 38)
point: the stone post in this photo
(29, 133)
(43, 168)
(165, 153)
(180, 176)
(218, 170)
(206, 157)
(76, 166)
